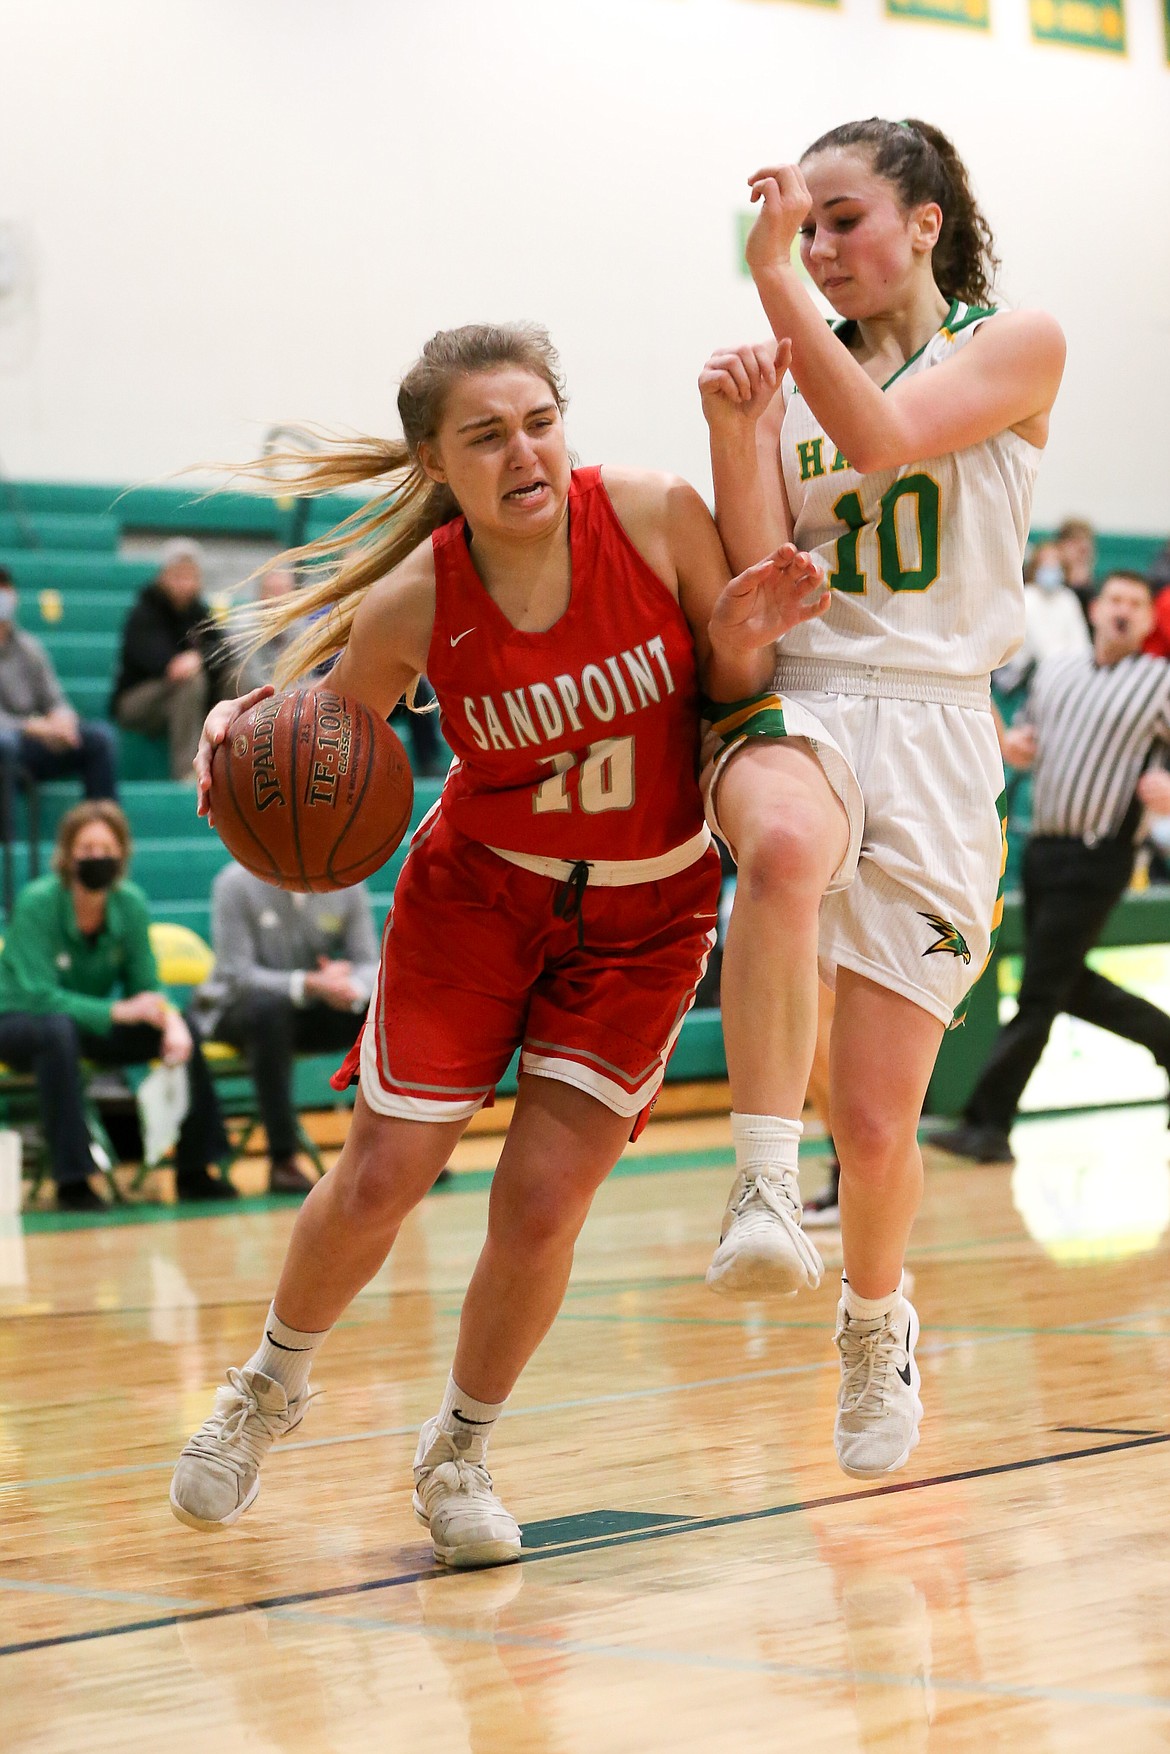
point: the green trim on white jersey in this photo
(924, 561)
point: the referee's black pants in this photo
(1069, 891)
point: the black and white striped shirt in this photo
(1096, 725)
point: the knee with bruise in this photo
(781, 856)
(872, 1140)
(545, 1219)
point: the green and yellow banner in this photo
(1081, 24)
(972, 14)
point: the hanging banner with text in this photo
(973, 14)
(1080, 24)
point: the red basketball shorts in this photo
(476, 963)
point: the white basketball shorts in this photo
(917, 901)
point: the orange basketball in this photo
(310, 790)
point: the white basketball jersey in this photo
(924, 561)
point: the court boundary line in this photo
(594, 1544)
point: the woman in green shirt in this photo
(78, 981)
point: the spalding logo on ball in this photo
(310, 790)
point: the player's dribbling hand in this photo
(739, 383)
(785, 203)
(767, 600)
(215, 730)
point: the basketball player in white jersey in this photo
(901, 446)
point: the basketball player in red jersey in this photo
(560, 898)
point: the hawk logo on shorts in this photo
(949, 937)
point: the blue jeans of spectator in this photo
(93, 760)
(52, 1048)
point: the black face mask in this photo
(96, 874)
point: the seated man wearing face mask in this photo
(78, 981)
(39, 730)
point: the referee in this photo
(1090, 727)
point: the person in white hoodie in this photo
(1054, 623)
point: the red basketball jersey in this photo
(580, 742)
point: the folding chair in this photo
(185, 960)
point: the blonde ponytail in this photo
(350, 557)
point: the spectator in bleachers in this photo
(1053, 621)
(39, 730)
(258, 666)
(174, 663)
(1076, 544)
(78, 981)
(293, 974)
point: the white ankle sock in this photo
(868, 1309)
(285, 1354)
(462, 1415)
(765, 1144)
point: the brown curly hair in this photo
(923, 165)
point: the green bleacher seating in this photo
(1114, 549)
(75, 612)
(90, 698)
(80, 655)
(54, 530)
(169, 508)
(50, 570)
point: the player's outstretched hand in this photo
(784, 206)
(767, 600)
(215, 729)
(738, 383)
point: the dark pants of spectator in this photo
(1069, 892)
(429, 755)
(173, 709)
(52, 1049)
(94, 759)
(271, 1030)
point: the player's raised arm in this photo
(391, 632)
(743, 404)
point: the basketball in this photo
(310, 790)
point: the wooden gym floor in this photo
(698, 1575)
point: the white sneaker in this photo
(762, 1250)
(218, 1472)
(453, 1496)
(878, 1407)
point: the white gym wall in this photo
(218, 214)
